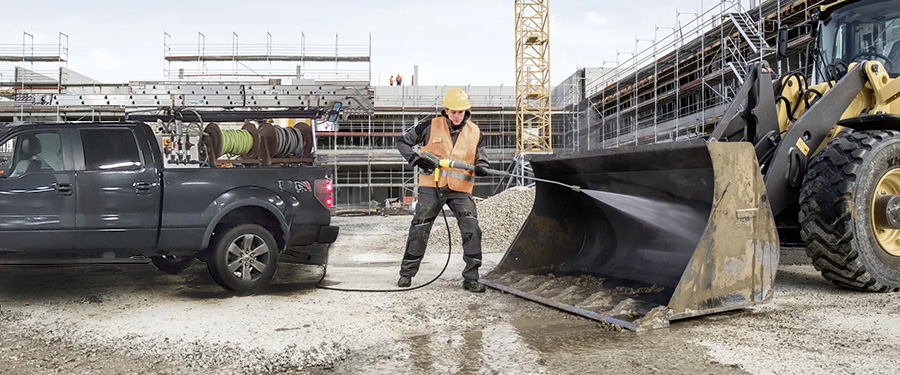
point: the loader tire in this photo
(836, 211)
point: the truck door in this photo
(118, 205)
(37, 198)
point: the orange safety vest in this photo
(441, 144)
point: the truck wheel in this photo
(849, 243)
(172, 264)
(243, 258)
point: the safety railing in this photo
(431, 96)
(246, 72)
(237, 60)
(272, 50)
(734, 59)
(375, 177)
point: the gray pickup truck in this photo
(99, 193)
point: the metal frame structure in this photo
(24, 81)
(679, 86)
(533, 122)
(242, 61)
(111, 102)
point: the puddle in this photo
(525, 345)
(517, 347)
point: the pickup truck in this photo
(100, 193)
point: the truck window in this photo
(6, 154)
(110, 149)
(31, 153)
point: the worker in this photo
(392, 80)
(399, 80)
(448, 136)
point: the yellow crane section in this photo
(533, 124)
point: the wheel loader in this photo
(691, 228)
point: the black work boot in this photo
(404, 281)
(473, 286)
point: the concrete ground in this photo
(135, 319)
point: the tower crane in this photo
(533, 122)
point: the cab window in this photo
(111, 149)
(6, 156)
(32, 152)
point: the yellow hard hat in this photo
(456, 99)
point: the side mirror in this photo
(335, 111)
(782, 42)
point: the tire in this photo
(243, 258)
(173, 264)
(836, 211)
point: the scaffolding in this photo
(32, 72)
(48, 56)
(28, 93)
(242, 61)
(678, 86)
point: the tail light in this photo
(325, 192)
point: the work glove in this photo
(480, 171)
(425, 164)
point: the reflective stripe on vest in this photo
(441, 144)
(452, 173)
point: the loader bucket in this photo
(659, 232)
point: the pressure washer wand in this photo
(450, 163)
(501, 173)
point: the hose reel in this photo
(263, 142)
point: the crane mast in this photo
(533, 124)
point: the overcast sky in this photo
(454, 42)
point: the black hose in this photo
(289, 142)
(802, 86)
(806, 97)
(764, 160)
(281, 140)
(449, 254)
(834, 72)
(787, 103)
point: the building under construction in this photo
(674, 87)
(678, 86)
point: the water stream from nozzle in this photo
(677, 219)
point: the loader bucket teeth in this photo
(661, 232)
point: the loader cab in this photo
(853, 31)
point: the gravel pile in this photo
(499, 216)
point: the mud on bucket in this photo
(660, 232)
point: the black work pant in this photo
(431, 201)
